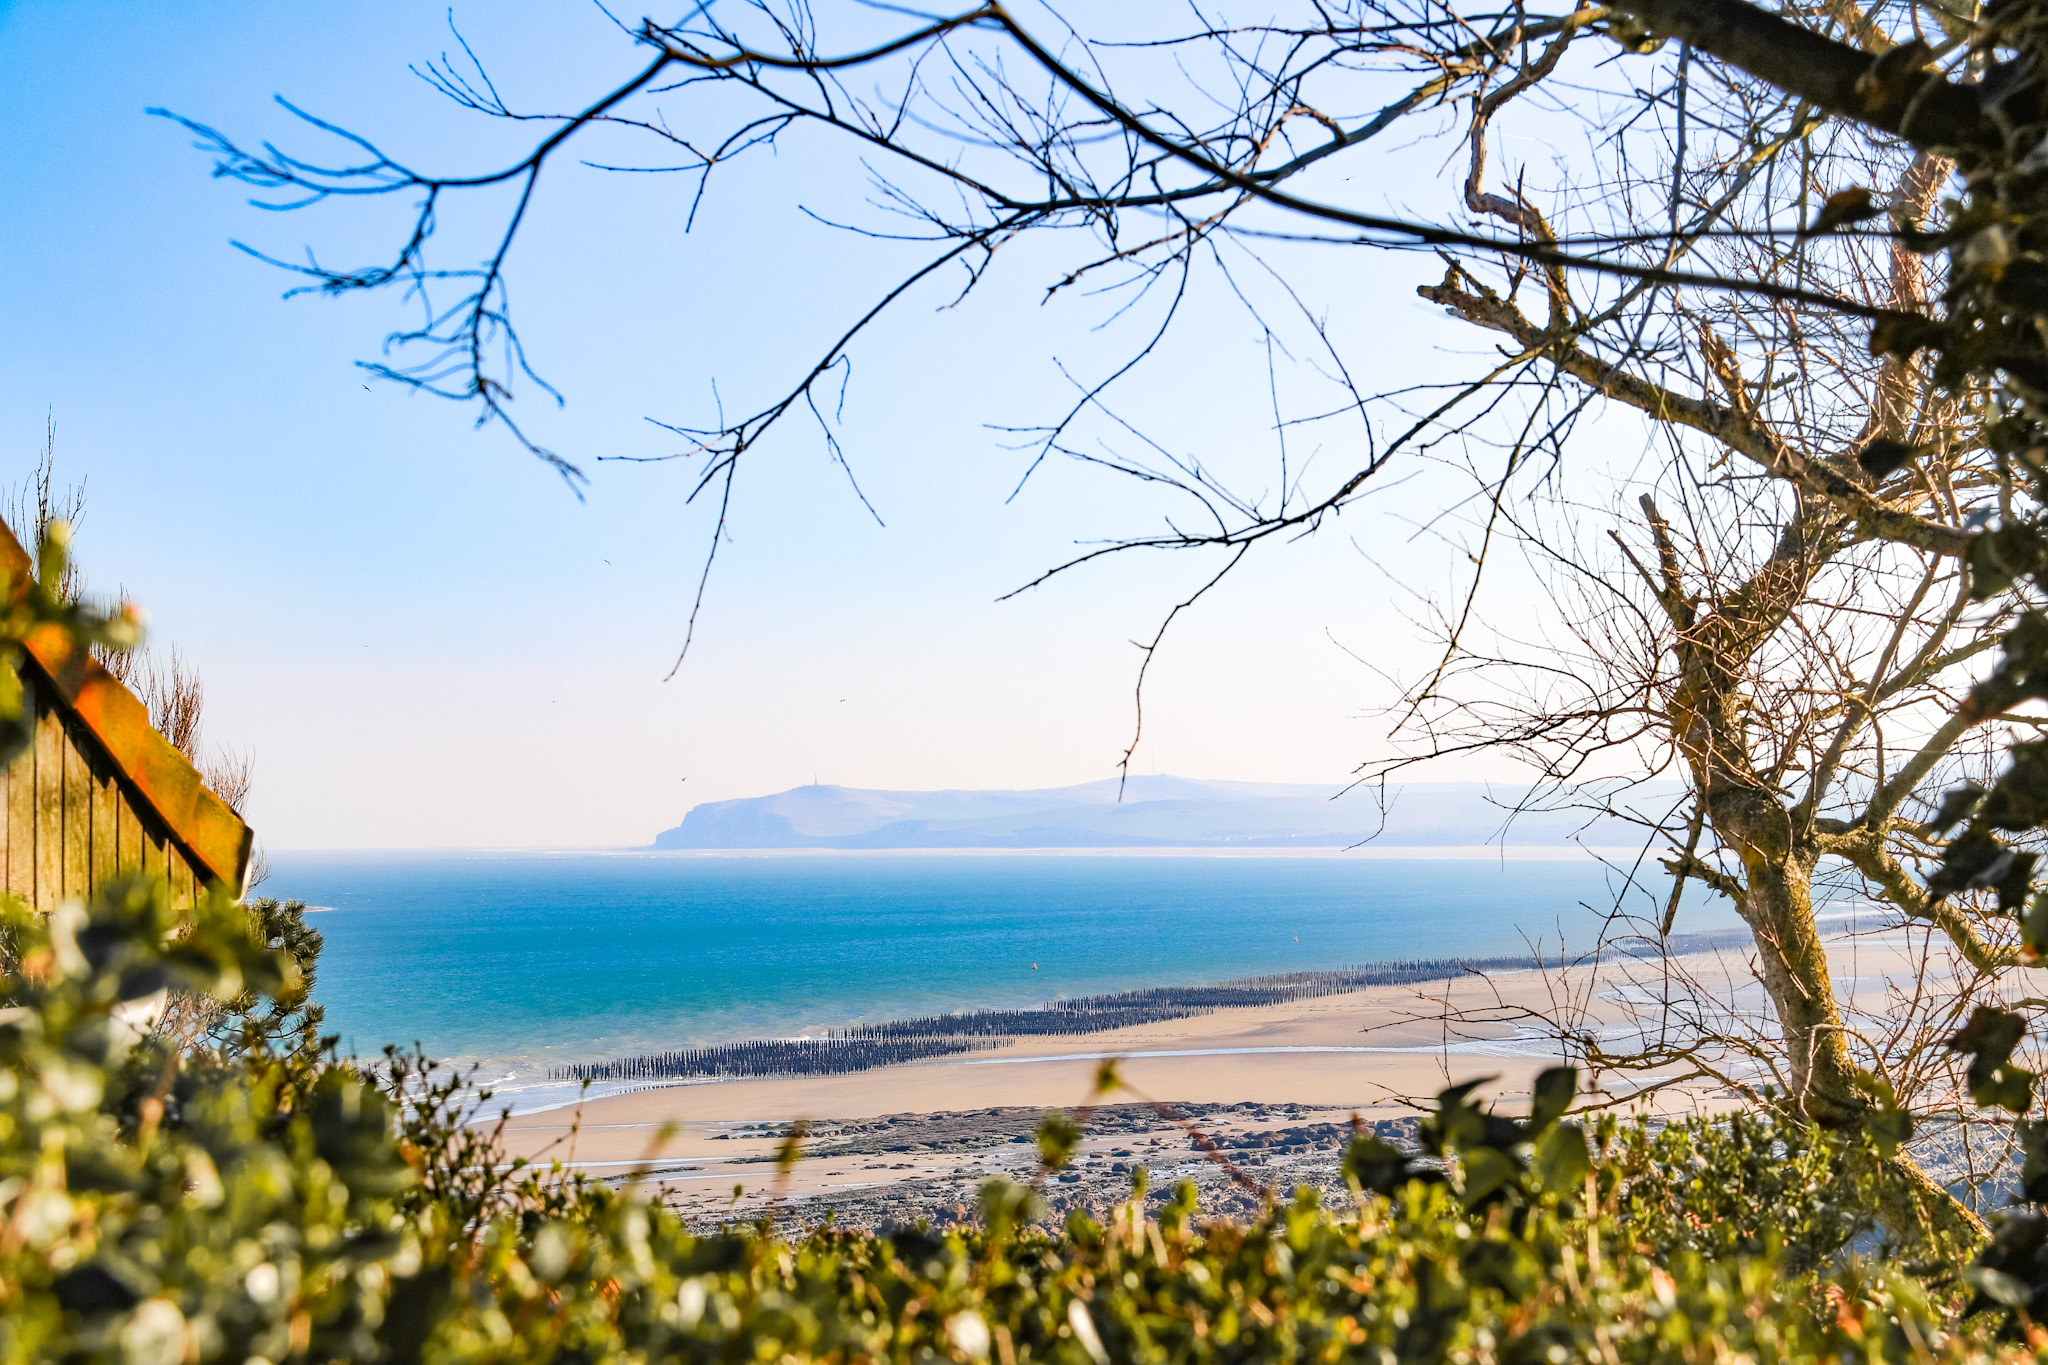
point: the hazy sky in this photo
(427, 640)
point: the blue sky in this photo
(427, 640)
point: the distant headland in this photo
(1153, 812)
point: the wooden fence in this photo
(69, 820)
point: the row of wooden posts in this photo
(771, 1057)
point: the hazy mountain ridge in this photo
(1155, 812)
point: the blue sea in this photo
(514, 962)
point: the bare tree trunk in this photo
(1779, 910)
(1778, 906)
(1922, 1213)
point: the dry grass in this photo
(170, 687)
(30, 508)
(229, 775)
(176, 697)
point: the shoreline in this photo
(1372, 1046)
(560, 1088)
(1502, 1048)
(944, 1124)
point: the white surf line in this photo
(696, 1164)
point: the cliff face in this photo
(1156, 812)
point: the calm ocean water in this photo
(518, 961)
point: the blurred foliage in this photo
(289, 1017)
(26, 604)
(258, 1200)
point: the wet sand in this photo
(1363, 1048)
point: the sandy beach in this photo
(921, 1135)
(1278, 1089)
(1356, 1049)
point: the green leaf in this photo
(1882, 457)
(1904, 334)
(1007, 1206)
(1888, 1128)
(1974, 858)
(2020, 799)
(1504, 1266)
(2008, 1087)
(1990, 1036)
(1058, 1136)
(2034, 929)
(1377, 1166)
(1457, 1123)
(1955, 808)
(1486, 1170)
(1996, 1285)
(2012, 888)
(1556, 1087)
(1562, 1160)
(2033, 1140)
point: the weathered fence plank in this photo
(106, 807)
(127, 837)
(77, 819)
(21, 811)
(49, 760)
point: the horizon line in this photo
(1461, 851)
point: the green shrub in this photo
(1736, 1186)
